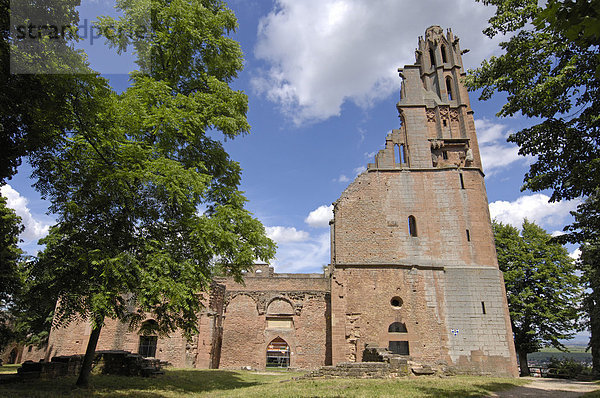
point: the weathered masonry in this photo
(413, 264)
(413, 260)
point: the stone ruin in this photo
(113, 362)
(413, 265)
(378, 363)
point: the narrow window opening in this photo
(444, 122)
(444, 58)
(468, 236)
(449, 88)
(483, 307)
(412, 226)
(398, 154)
(399, 347)
(402, 154)
(432, 56)
(445, 155)
(462, 181)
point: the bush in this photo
(567, 368)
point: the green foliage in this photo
(10, 273)
(567, 368)
(10, 254)
(127, 182)
(589, 263)
(38, 108)
(541, 286)
(550, 70)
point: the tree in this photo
(541, 287)
(128, 181)
(590, 265)
(10, 275)
(550, 70)
(36, 107)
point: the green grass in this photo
(593, 394)
(4, 369)
(223, 383)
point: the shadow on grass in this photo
(173, 382)
(470, 391)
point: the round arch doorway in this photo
(278, 354)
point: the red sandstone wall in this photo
(362, 313)
(176, 349)
(115, 335)
(371, 219)
(301, 297)
(243, 338)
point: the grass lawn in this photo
(223, 383)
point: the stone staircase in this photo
(360, 370)
(379, 363)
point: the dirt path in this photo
(549, 388)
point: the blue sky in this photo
(322, 85)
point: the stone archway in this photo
(278, 353)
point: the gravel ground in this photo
(549, 388)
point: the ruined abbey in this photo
(413, 264)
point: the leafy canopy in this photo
(589, 263)
(147, 202)
(550, 71)
(541, 286)
(37, 107)
(11, 280)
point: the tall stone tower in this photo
(414, 266)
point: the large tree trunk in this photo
(593, 304)
(595, 338)
(523, 363)
(88, 359)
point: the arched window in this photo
(412, 226)
(148, 339)
(432, 57)
(400, 157)
(397, 327)
(444, 57)
(278, 353)
(449, 88)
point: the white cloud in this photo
(359, 170)
(322, 53)
(489, 132)
(341, 178)
(495, 152)
(362, 133)
(370, 155)
(34, 229)
(286, 234)
(535, 208)
(307, 256)
(575, 254)
(319, 218)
